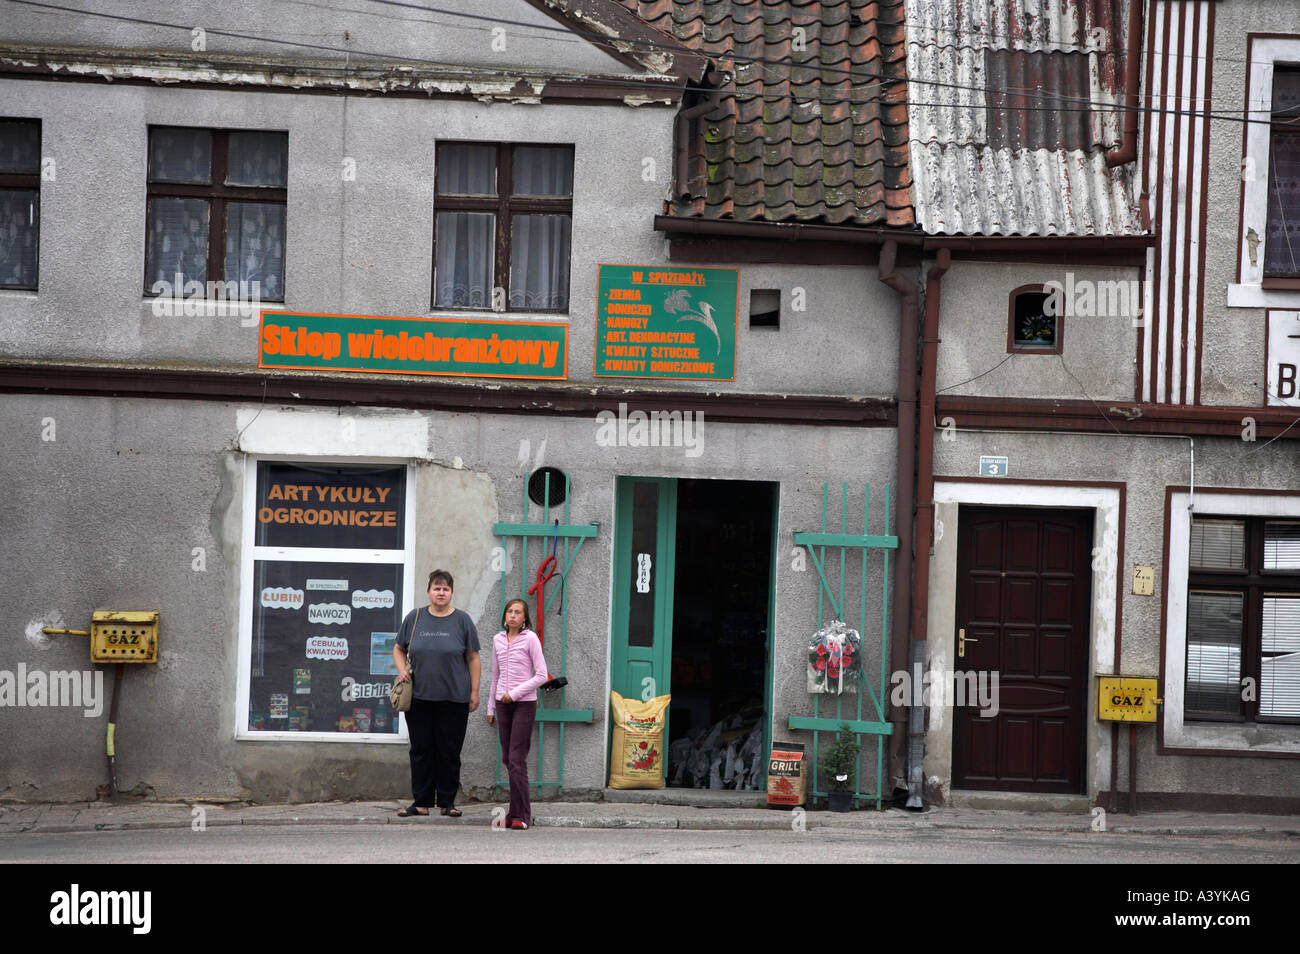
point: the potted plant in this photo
(840, 760)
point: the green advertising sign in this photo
(665, 321)
(446, 346)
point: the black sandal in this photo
(452, 812)
(411, 811)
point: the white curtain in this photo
(463, 270)
(539, 262)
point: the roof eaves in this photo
(626, 37)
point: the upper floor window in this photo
(502, 223)
(20, 201)
(1282, 237)
(216, 213)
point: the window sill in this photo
(1257, 296)
(487, 314)
(1245, 737)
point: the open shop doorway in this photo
(721, 634)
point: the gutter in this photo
(793, 231)
(682, 129)
(901, 647)
(924, 518)
(1127, 150)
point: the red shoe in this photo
(519, 825)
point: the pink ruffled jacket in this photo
(518, 668)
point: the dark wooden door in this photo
(1024, 588)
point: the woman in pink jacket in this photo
(518, 668)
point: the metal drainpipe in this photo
(903, 500)
(1127, 150)
(684, 119)
(924, 520)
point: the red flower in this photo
(820, 665)
(821, 650)
(641, 746)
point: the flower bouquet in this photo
(834, 659)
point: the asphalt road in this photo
(431, 842)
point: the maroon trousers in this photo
(515, 725)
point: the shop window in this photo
(1036, 322)
(326, 573)
(1282, 235)
(765, 308)
(502, 227)
(1243, 620)
(216, 213)
(20, 201)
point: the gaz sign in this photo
(1283, 358)
(1127, 698)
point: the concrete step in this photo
(690, 797)
(1020, 802)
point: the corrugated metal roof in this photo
(823, 140)
(1002, 138)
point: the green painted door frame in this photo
(645, 549)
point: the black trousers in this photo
(437, 731)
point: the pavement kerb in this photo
(83, 817)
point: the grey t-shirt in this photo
(436, 648)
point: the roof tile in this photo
(811, 125)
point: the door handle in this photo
(962, 640)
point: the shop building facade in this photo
(282, 521)
(895, 234)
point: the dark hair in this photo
(442, 575)
(528, 620)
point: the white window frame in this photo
(253, 552)
(1178, 731)
(1250, 292)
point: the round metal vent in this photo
(537, 486)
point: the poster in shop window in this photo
(323, 616)
(666, 321)
(312, 663)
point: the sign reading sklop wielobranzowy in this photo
(444, 346)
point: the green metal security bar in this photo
(875, 723)
(571, 537)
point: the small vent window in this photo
(765, 308)
(1036, 322)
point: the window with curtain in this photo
(503, 218)
(1243, 620)
(20, 201)
(216, 213)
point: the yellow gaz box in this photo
(1127, 698)
(124, 637)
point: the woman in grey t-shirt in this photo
(437, 648)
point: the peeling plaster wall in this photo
(499, 35)
(1099, 347)
(1233, 338)
(108, 516)
(365, 246)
